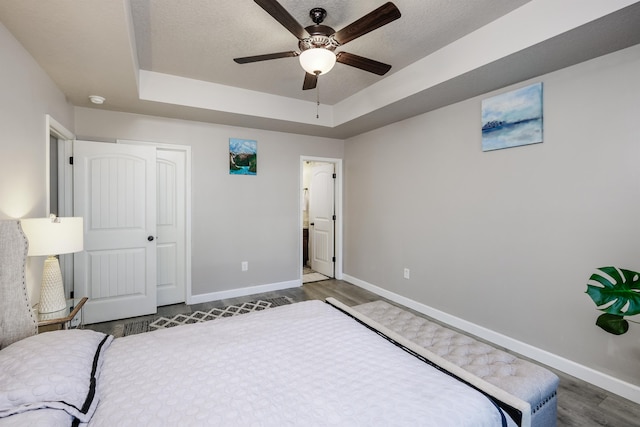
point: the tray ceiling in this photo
(175, 59)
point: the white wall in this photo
(235, 218)
(27, 95)
(508, 239)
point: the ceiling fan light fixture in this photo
(317, 60)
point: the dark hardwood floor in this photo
(579, 403)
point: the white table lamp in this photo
(51, 237)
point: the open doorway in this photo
(319, 219)
(58, 184)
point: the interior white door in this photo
(321, 218)
(115, 193)
(171, 225)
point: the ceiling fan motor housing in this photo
(317, 41)
(321, 36)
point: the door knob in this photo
(150, 238)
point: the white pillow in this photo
(44, 417)
(57, 370)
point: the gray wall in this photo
(27, 94)
(234, 218)
(508, 239)
(503, 239)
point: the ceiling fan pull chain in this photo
(317, 99)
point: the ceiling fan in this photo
(318, 42)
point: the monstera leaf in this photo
(618, 295)
(613, 323)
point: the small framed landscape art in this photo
(243, 156)
(512, 119)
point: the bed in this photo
(309, 363)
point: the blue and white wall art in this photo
(512, 119)
(243, 156)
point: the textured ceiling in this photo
(199, 39)
(100, 47)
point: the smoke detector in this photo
(96, 99)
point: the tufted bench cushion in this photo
(523, 379)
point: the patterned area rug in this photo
(153, 324)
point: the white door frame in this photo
(187, 151)
(338, 209)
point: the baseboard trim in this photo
(597, 378)
(241, 292)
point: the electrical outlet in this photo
(245, 265)
(407, 273)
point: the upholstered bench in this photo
(520, 378)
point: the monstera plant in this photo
(616, 292)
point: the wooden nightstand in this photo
(61, 319)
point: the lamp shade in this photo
(53, 236)
(317, 60)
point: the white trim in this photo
(187, 150)
(338, 208)
(600, 379)
(241, 292)
(58, 130)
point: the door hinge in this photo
(335, 176)
(71, 160)
(71, 294)
(334, 218)
(333, 259)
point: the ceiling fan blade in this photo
(363, 63)
(310, 81)
(268, 56)
(386, 13)
(280, 14)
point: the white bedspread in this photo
(301, 364)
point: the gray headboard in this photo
(17, 320)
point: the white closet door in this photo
(115, 193)
(171, 225)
